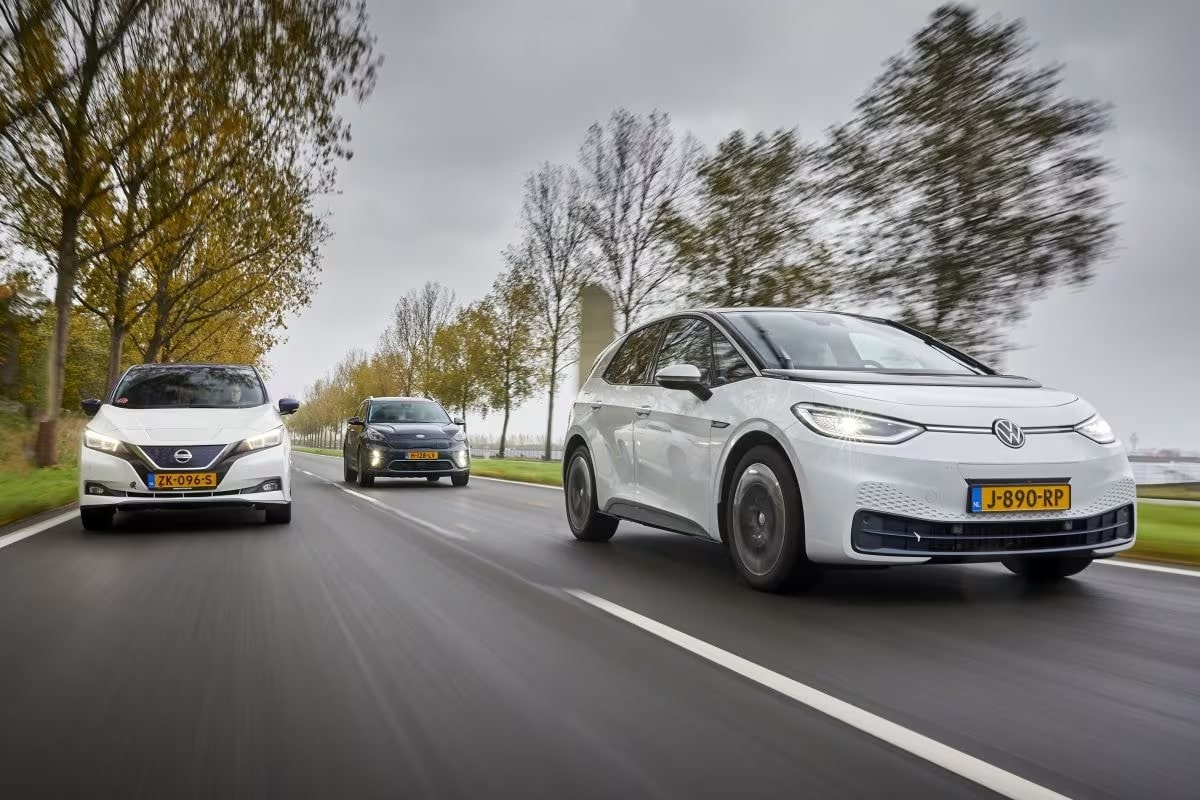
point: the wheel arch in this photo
(733, 455)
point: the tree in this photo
(554, 263)
(513, 378)
(409, 339)
(749, 240)
(634, 174)
(461, 361)
(972, 185)
(294, 61)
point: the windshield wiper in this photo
(776, 351)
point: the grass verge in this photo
(1166, 534)
(1170, 491)
(25, 493)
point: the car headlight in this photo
(372, 435)
(461, 436)
(105, 444)
(262, 441)
(855, 426)
(1097, 429)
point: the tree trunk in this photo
(116, 345)
(46, 448)
(550, 411)
(504, 428)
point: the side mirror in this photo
(354, 421)
(459, 421)
(91, 406)
(686, 377)
(288, 406)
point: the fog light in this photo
(1068, 525)
(956, 530)
(95, 490)
(376, 458)
(1123, 515)
(270, 487)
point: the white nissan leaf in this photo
(804, 437)
(185, 436)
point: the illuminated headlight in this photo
(838, 423)
(1097, 429)
(462, 457)
(372, 435)
(461, 436)
(261, 441)
(105, 444)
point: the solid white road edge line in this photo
(438, 529)
(957, 762)
(1184, 571)
(44, 525)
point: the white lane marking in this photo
(438, 529)
(44, 525)
(944, 756)
(1184, 571)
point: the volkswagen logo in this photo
(1008, 432)
(183, 456)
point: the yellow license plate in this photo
(182, 480)
(1021, 497)
(423, 455)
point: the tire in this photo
(764, 523)
(97, 519)
(280, 514)
(460, 480)
(433, 478)
(1047, 569)
(365, 479)
(585, 519)
(348, 475)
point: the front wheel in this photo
(764, 523)
(349, 475)
(585, 519)
(365, 479)
(280, 514)
(460, 480)
(96, 519)
(1047, 569)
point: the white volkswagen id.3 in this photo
(185, 436)
(804, 437)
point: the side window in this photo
(688, 341)
(633, 360)
(729, 365)
(362, 410)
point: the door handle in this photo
(644, 411)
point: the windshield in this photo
(190, 387)
(817, 340)
(400, 411)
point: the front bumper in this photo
(391, 462)
(907, 503)
(251, 479)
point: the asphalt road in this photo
(419, 640)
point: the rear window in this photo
(632, 361)
(190, 387)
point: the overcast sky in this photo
(473, 95)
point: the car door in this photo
(674, 431)
(350, 443)
(608, 406)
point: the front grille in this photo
(163, 456)
(888, 534)
(409, 442)
(419, 466)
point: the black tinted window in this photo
(728, 363)
(633, 360)
(401, 411)
(688, 341)
(190, 387)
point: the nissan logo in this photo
(183, 456)
(1008, 432)
(420, 436)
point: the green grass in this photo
(28, 492)
(1169, 534)
(1171, 491)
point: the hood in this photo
(971, 406)
(415, 429)
(149, 426)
